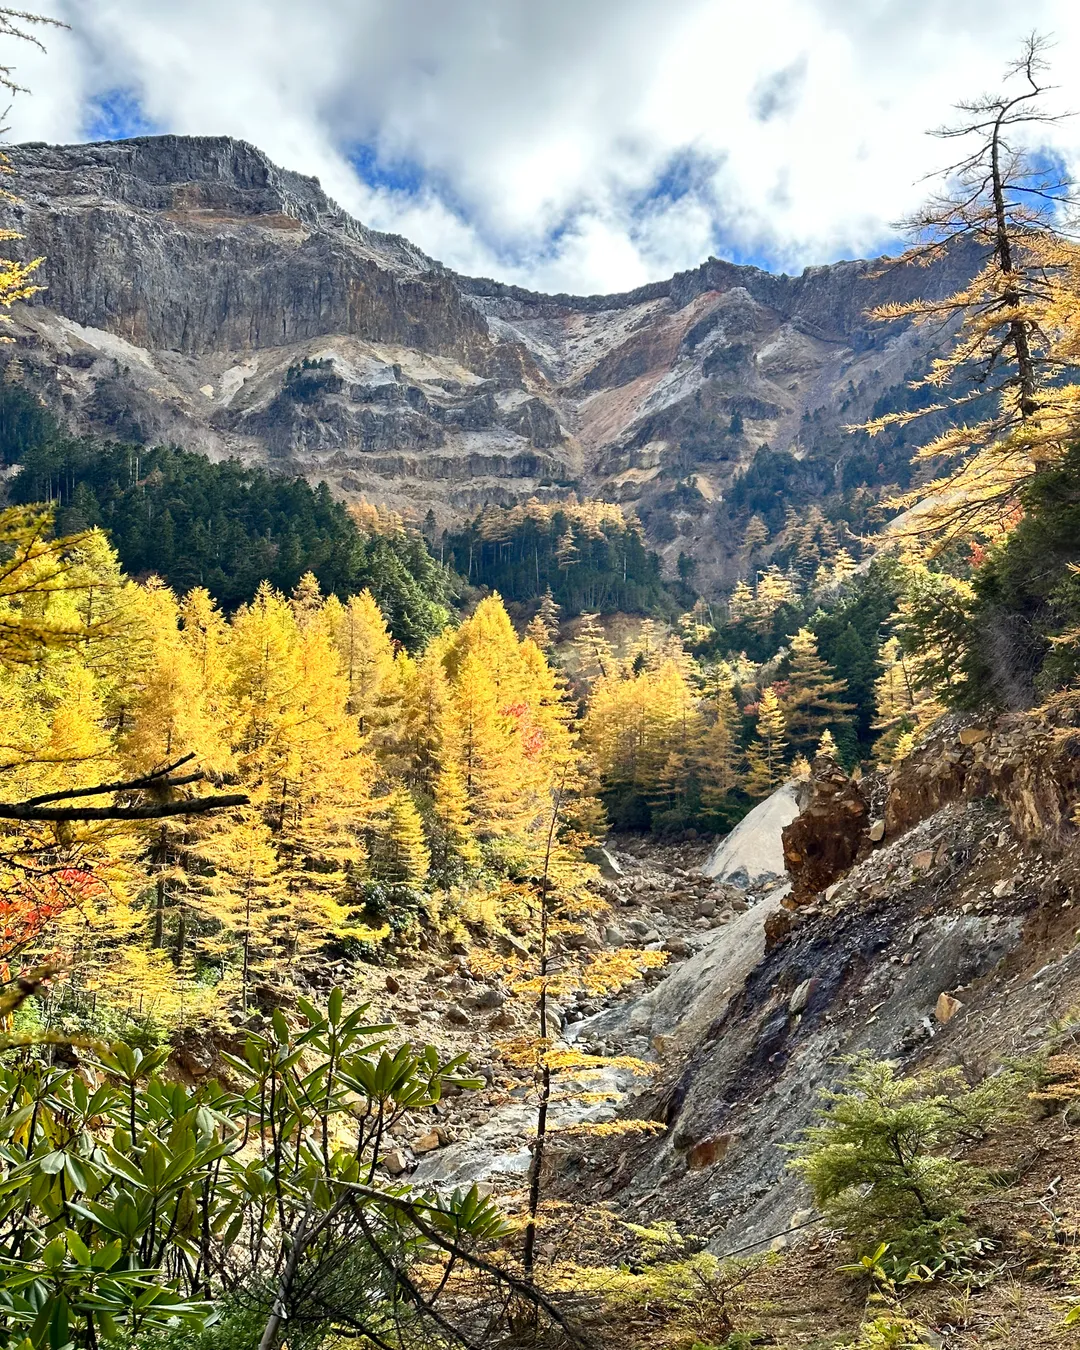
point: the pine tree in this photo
(755, 535)
(363, 641)
(488, 758)
(594, 656)
(453, 839)
(418, 735)
(766, 754)
(399, 855)
(244, 895)
(811, 704)
(721, 754)
(543, 627)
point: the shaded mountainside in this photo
(197, 293)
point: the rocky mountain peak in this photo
(188, 276)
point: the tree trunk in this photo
(158, 940)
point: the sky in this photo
(566, 145)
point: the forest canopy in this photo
(223, 526)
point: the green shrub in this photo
(889, 1333)
(885, 1162)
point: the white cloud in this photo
(790, 130)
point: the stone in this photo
(394, 1162)
(708, 1152)
(393, 986)
(427, 1143)
(802, 996)
(639, 928)
(777, 927)
(823, 841)
(923, 860)
(489, 999)
(739, 904)
(608, 865)
(457, 1015)
(974, 735)
(1007, 886)
(196, 1060)
(877, 831)
(706, 908)
(946, 1008)
(613, 938)
(677, 947)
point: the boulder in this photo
(457, 1015)
(427, 1143)
(195, 1059)
(393, 986)
(821, 844)
(608, 865)
(777, 926)
(802, 996)
(752, 855)
(394, 1162)
(877, 831)
(708, 1152)
(946, 1008)
(488, 999)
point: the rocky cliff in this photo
(197, 293)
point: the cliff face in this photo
(197, 292)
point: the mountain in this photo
(198, 294)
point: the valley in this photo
(532, 820)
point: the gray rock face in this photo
(189, 280)
(752, 855)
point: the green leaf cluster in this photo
(131, 1204)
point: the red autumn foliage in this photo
(532, 737)
(23, 916)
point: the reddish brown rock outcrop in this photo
(823, 842)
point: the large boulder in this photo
(752, 855)
(821, 843)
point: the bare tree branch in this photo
(195, 806)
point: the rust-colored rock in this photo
(946, 1008)
(708, 1152)
(777, 927)
(1028, 762)
(974, 735)
(822, 843)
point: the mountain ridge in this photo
(189, 279)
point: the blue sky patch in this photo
(400, 175)
(117, 115)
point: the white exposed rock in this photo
(752, 855)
